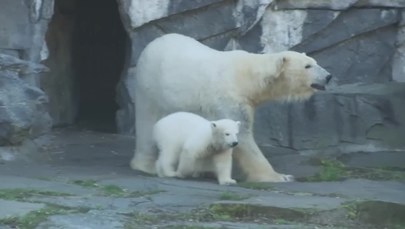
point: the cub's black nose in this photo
(234, 144)
(328, 78)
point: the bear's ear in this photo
(281, 62)
(213, 125)
(238, 123)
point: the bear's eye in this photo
(227, 134)
(308, 66)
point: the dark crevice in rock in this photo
(87, 46)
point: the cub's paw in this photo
(227, 182)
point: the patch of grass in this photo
(34, 218)
(331, 170)
(21, 194)
(189, 227)
(114, 190)
(86, 183)
(145, 193)
(351, 210)
(144, 219)
(139, 220)
(334, 170)
(257, 185)
(255, 213)
(232, 196)
(377, 173)
(281, 221)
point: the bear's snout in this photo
(234, 144)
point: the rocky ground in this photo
(82, 180)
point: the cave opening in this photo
(87, 52)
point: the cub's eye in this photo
(227, 134)
(308, 66)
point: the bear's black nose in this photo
(234, 144)
(328, 77)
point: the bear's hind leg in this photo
(145, 154)
(255, 165)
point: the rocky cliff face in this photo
(360, 42)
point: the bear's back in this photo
(176, 128)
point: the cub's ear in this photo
(238, 123)
(213, 125)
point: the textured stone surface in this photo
(100, 160)
(398, 62)
(17, 209)
(337, 5)
(23, 110)
(15, 22)
(357, 41)
(362, 116)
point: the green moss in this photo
(32, 219)
(189, 227)
(231, 212)
(331, 170)
(114, 190)
(144, 193)
(334, 170)
(377, 173)
(281, 221)
(21, 194)
(232, 196)
(86, 183)
(257, 185)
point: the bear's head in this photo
(225, 134)
(298, 76)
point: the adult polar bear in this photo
(177, 73)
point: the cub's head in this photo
(225, 133)
(299, 76)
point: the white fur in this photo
(189, 144)
(177, 73)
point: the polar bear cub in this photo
(189, 144)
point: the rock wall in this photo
(23, 106)
(360, 42)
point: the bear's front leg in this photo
(223, 167)
(254, 164)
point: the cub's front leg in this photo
(223, 167)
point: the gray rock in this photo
(180, 6)
(337, 5)
(372, 116)
(305, 4)
(11, 63)
(92, 219)
(10, 208)
(398, 61)
(368, 20)
(15, 30)
(23, 110)
(211, 20)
